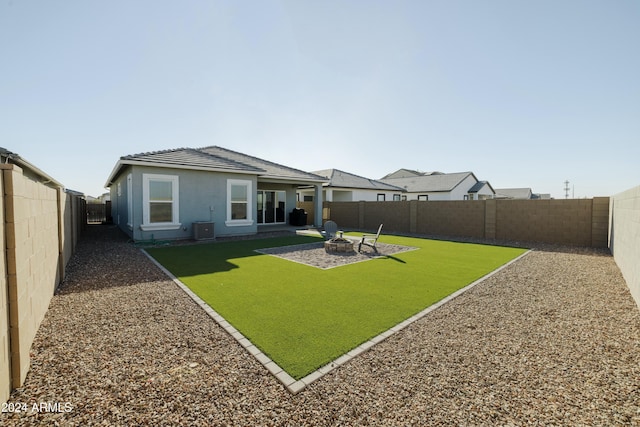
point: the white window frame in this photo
(130, 201)
(146, 221)
(250, 208)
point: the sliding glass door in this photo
(271, 207)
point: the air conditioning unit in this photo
(203, 230)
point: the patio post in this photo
(317, 218)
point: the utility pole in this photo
(566, 189)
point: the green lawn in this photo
(303, 317)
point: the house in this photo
(346, 187)
(408, 173)
(514, 193)
(520, 194)
(167, 194)
(439, 186)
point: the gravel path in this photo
(553, 339)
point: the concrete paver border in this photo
(291, 384)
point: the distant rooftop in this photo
(433, 182)
(342, 179)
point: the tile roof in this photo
(342, 179)
(191, 157)
(214, 159)
(270, 169)
(441, 182)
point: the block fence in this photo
(575, 222)
(39, 229)
(624, 237)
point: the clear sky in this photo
(522, 93)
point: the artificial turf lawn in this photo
(303, 317)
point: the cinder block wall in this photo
(451, 218)
(5, 354)
(624, 237)
(394, 215)
(32, 245)
(347, 212)
(576, 222)
(73, 221)
(567, 222)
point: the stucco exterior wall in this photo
(624, 238)
(202, 196)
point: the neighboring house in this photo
(408, 173)
(514, 193)
(440, 186)
(347, 187)
(519, 194)
(166, 194)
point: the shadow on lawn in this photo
(106, 258)
(193, 260)
(396, 259)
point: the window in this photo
(308, 198)
(271, 206)
(239, 210)
(381, 197)
(160, 202)
(423, 197)
(404, 197)
(396, 197)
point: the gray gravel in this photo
(314, 254)
(553, 339)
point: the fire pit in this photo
(338, 245)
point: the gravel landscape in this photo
(553, 339)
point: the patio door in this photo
(271, 206)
